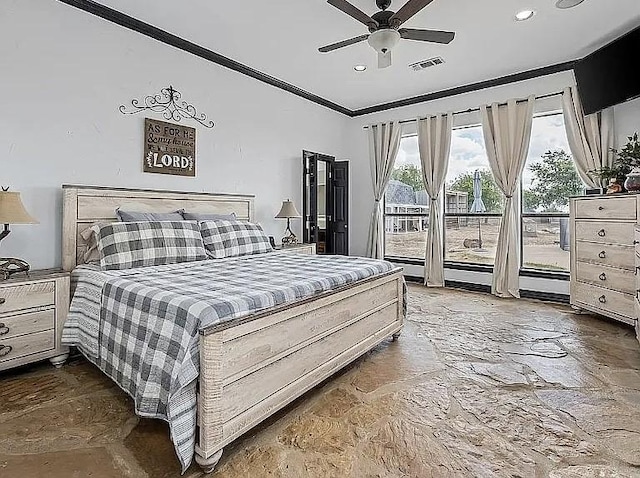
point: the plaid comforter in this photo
(141, 326)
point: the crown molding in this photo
(126, 21)
(458, 90)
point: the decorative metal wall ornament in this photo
(168, 103)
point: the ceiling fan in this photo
(384, 28)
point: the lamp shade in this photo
(12, 211)
(287, 210)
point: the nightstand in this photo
(298, 248)
(32, 311)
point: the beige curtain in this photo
(434, 142)
(507, 132)
(590, 137)
(384, 142)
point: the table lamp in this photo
(288, 211)
(12, 212)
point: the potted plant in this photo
(628, 159)
(625, 170)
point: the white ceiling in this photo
(282, 37)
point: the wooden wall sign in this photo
(169, 148)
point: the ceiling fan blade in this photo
(408, 10)
(354, 12)
(433, 36)
(384, 59)
(340, 44)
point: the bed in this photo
(248, 351)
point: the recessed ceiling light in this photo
(524, 15)
(360, 67)
(568, 3)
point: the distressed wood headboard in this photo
(84, 206)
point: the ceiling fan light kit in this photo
(383, 41)
(384, 28)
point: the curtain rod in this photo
(471, 110)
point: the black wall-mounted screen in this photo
(607, 76)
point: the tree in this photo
(491, 194)
(530, 201)
(409, 174)
(555, 180)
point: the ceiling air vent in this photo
(421, 65)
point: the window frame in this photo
(474, 266)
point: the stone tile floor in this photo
(475, 387)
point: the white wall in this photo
(627, 120)
(63, 75)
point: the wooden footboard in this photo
(253, 367)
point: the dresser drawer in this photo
(26, 296)
(606, 208)
(23, 345)
(604, 300)
(622, 280)
(29, 323)
(606, 254)
(605, 231)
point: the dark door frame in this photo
(309, 220)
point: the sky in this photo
(468, 153)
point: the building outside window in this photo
(407, 204)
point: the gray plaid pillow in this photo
(124, 245)
(233, 238)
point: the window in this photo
(406, 205)
(548, 180)
(473, 201)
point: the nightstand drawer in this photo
(300, 250)
(23, 345)
(29, 323)
(607, 208)
(27, 296)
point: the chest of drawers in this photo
(603, 258)
(32, 312)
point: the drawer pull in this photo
(602, 233)
(600, 208)
(602, 254)
(602, 299)
(2, 300)
(636, 242)
(4, 330)
(603, 276)
(5, 350)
